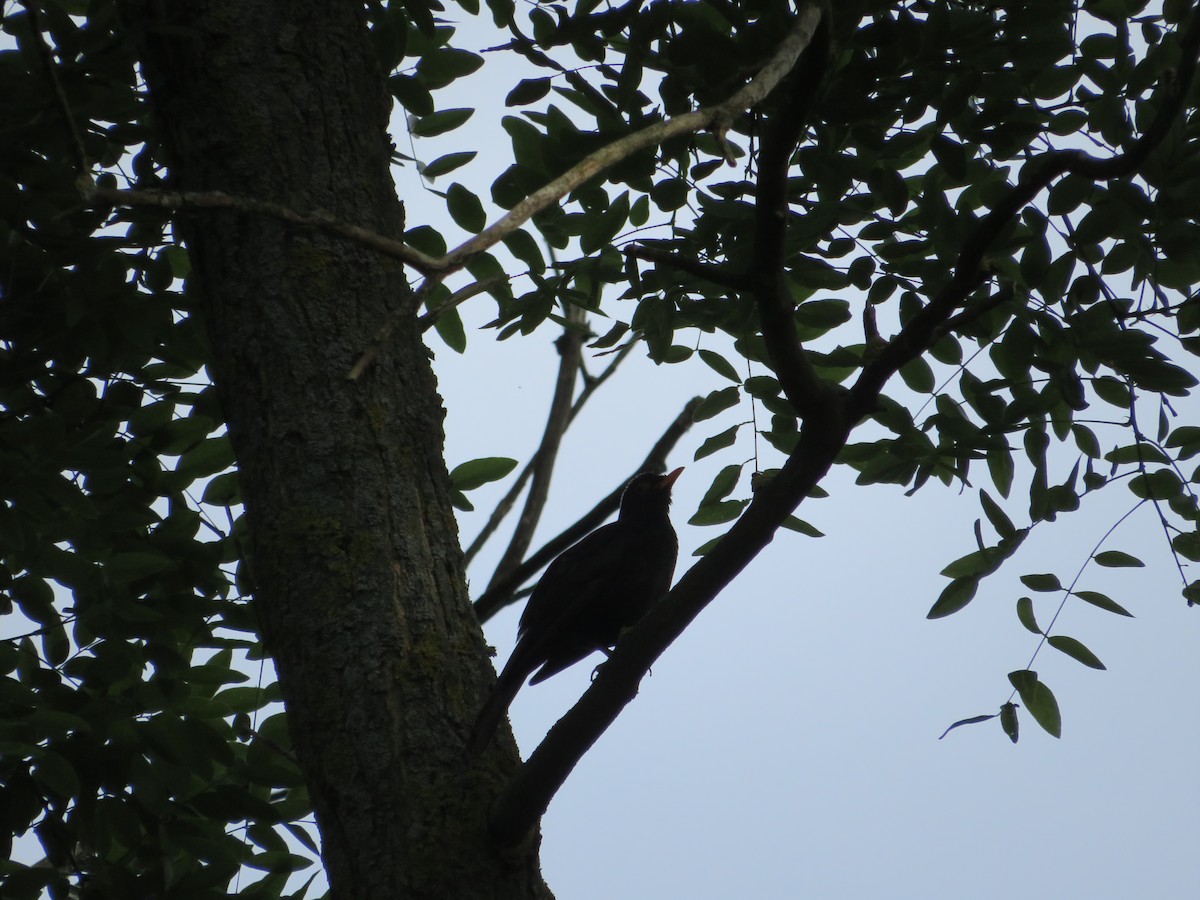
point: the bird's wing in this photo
(572, 579)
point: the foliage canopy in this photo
(993, 202)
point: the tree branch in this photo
(318, 221)
(590, 386)
(784, 129)
(527, 797)
(500, 593)
(570, 348)
(718, 116)
(716, 273)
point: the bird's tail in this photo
(507, 685)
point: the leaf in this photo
(1043, 584)
(1008, 721)
(440, 122)
(718, 513)
(56, 774)
(973, 720)
(223, 490)
(136, 564)
(799, 525)
(1103, 602)
(1115, 559)
(1075, 650)
(720, 365)
(1001, 522)
(717, 442)
(717, 402)
(1038, 699)
(725, 481)
(957, 594)
(528, 90)
(1025, 614)
(477, 472)
(448, 163)
(465, 208)
(449, 327)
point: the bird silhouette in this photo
(589, 594)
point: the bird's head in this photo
(648, 495)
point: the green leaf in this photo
(465, 208)
(445, 65)
(794, 524)
(53, 772)
(528, 90)
(720, 365)
(726, 438)
(1008, 721)
(1115, 559)
(477, 472)
(1103, 602)
(1041, 583)
(1025, 614)
(449, 327)
(973, 720)
(718, 513)
(1001, 522)
(223, 490)
(1075, 650)
(717, 402)
(440, 122)
(1000, 465)
(137, 564)
(957, 594)
(448, 163)
(1038, 699)
(918, 376)
(725, 481)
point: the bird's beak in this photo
(668, 480)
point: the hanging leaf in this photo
(1038, 699)
(1075, 650)
(1025, 614)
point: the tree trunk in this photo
(352, 545)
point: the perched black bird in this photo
(589, 595)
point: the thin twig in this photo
(717, 274)
(504, 507)
(319, 221)
(427, 321)
(570, 348)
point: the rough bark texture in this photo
(353, 547)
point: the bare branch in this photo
(318, 221)
(570, 348)
(717, 274)
(591, 385)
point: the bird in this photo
(589, 594)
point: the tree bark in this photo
(353, 548)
